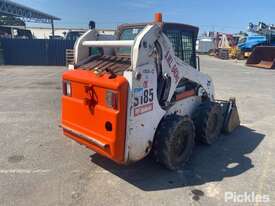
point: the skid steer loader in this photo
(141, 91)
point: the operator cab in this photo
(183, 38)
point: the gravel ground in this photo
(39, 166)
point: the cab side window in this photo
(183, 45)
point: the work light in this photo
(111, 99)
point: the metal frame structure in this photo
(28, 14)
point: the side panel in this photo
(144, 113)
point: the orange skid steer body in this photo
(94, 111)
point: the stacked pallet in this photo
(69, 56)
(223, 54)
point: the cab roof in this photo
(164, 25)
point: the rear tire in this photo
(240, 55)
(174, 141)
(208, 121)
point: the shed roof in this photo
(11, 8)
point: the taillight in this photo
(111, 99)
(67, 89)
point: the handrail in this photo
(111, 43)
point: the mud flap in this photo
(230, 114)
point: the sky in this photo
(224, 16)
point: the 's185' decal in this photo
(146, 96)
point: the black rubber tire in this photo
(174, 141)
(240, 55)
(208, 120)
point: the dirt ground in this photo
(39, 166)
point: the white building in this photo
(45, 33)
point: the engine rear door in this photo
(94, 111)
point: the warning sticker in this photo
(143, 109)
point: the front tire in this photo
(174, 141)
(208, 121)
(240, 55)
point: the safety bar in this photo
(111, 43)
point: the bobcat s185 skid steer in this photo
(141, 90)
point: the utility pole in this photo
(52, 28)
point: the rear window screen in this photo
(128, 34)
